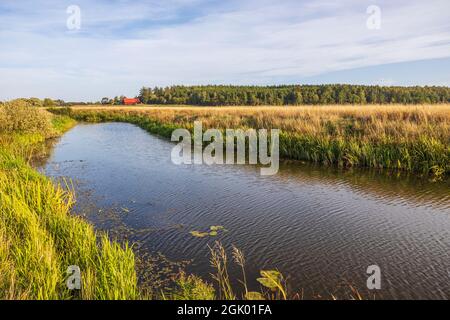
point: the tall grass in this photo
(409, 138)
(39, 238)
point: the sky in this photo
(115, 47)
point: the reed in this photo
(407, 138)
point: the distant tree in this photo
(33, 102)
(145, 95)
(59, 102)
(362, 96)
(291, 95)
(326, 96)
(48, 102)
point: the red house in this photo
(130, 101)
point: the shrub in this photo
(20, 117)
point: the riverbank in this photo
(407, 138)
(39, 238)
(45, 249)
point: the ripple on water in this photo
(319, 226)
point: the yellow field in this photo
(412, 138)
(370, 121)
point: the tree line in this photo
(47, 102)
(228, 95)
(292, 95)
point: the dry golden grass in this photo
(412, 138)
(402, 122)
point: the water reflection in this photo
(319, 226)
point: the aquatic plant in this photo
(219, 261)
(213, 232)
(191, 287)
(271, 280)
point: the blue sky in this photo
(123, 45)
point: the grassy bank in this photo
(39, 239)
(409, 138)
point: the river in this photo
(321, 227)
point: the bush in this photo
(48, 102)
(19, 117)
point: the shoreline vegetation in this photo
(41, 240)
(411, 138)
(40, 237)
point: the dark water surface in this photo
(321, 227)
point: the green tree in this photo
(48, 102)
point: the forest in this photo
(226, 95)
(230, 95)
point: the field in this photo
(401, 137)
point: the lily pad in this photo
(213, 232)
(217, 228)
(199, 234)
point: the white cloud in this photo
(122, 47)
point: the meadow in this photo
(414, 138)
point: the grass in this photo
(273, 286)
(408, 138)
(191, 288)
(39, 238)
